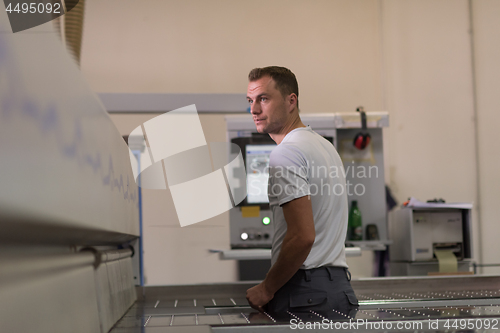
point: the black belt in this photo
(330, 271)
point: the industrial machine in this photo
(427, 237)
(69, 205)
(251, 224)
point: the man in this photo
(309, 207)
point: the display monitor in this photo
(256, 150)
(257, 167)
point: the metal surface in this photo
(424, 304)
(256, 254)
(373, 245)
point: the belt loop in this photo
(307, 275)
(328, 269)
(348, 274)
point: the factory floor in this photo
(437, 304)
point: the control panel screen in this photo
(257, 166)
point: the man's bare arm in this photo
(296, 246)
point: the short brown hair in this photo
(285, 80)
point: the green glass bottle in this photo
(354, 224)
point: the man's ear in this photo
(292, 102)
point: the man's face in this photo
(268, 107)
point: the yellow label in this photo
(250, 211)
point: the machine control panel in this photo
(251, 232)
(256, 230)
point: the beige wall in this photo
(199, 46)
(175, 255)
(487, 69)
(429, 86)
(412, 58)
(441, 140)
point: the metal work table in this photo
(416, 304)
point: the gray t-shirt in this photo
(305, 163)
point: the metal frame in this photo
(161, 103)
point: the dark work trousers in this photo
(315, 293)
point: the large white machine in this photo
(69, 205)
(430, 239)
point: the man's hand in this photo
(258, 296)
(297, 244)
